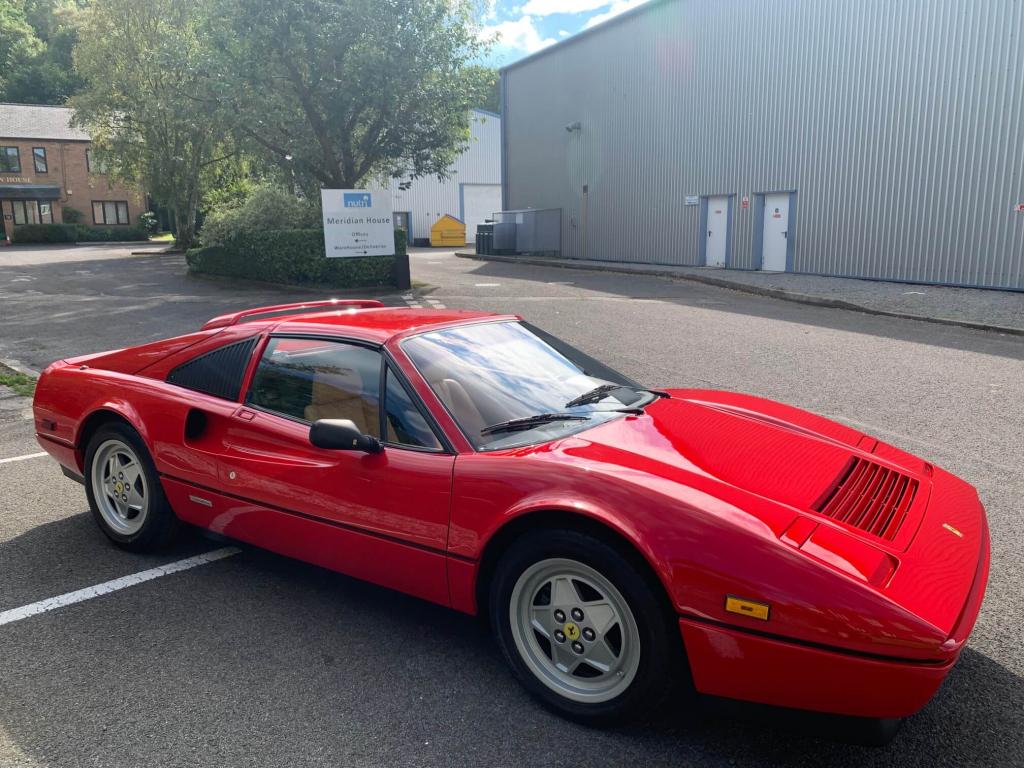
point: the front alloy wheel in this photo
(585, 626)
(574, 630)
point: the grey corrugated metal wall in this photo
(428, 199)
(900, 125)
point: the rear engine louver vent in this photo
(870, 497)
(218, 373)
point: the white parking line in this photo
(22, 458)
(80, 595)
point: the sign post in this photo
(357, 223)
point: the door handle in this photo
(709, 233)
(785, 234)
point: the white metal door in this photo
(718, 231)
(479, 202)
(775, 240)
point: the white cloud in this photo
(519, 36)
(549, 7)
(563, 33)
(619, 6)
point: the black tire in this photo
(661, 666)
(160, 525)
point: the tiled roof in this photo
(32, 121)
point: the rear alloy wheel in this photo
(123, 498)
(583, 628)
(124, 491)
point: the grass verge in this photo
(18, 382)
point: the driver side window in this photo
(405, 423)
(308, 379)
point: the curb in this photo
(114, 242)
(774, 293)
(16, 365)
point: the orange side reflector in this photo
(751, 608)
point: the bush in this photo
(45, 233)
(74, 233)
(267, 208)
(110, 234)
(71, 215)
(292, 257)
(149, 222)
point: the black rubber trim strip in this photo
(812, 644)
(324, 520)
(72, 475)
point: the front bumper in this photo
(741, 665)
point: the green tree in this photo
(141, 102)
(344, 90)
(490, 97)
(43, 33)
(19, 44)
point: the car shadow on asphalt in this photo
(708, 297)
(336, 661)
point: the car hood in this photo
(778, 470)
(768, 449)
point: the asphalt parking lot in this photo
(255, 660)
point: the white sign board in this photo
(691, 200)
(357, 223)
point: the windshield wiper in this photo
(595, 394)
(529, 422)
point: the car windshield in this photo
(490, 374)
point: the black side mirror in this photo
(342, 435)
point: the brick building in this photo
(46, 168)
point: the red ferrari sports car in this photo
(620, 539)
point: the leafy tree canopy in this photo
(490, 98)
(142, 102)
(345, 90)
(36, 42)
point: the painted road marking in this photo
(486, 285)
(80, 595)
(23, 458)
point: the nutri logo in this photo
(357, 200)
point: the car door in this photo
(378, 516)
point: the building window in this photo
(10, 161)
(94, 166)
(32, 212)
(39, 159)
(109, 212)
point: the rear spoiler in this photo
(223, 321)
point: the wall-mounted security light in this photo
(573, 127)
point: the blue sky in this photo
(527, 26)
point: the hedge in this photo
(74, 233)
(292, 257)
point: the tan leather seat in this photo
(338, 393)
(462, 406)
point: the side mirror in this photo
(342, 435)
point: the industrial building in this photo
(875, 140)
(471, 193)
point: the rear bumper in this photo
(740, 665)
